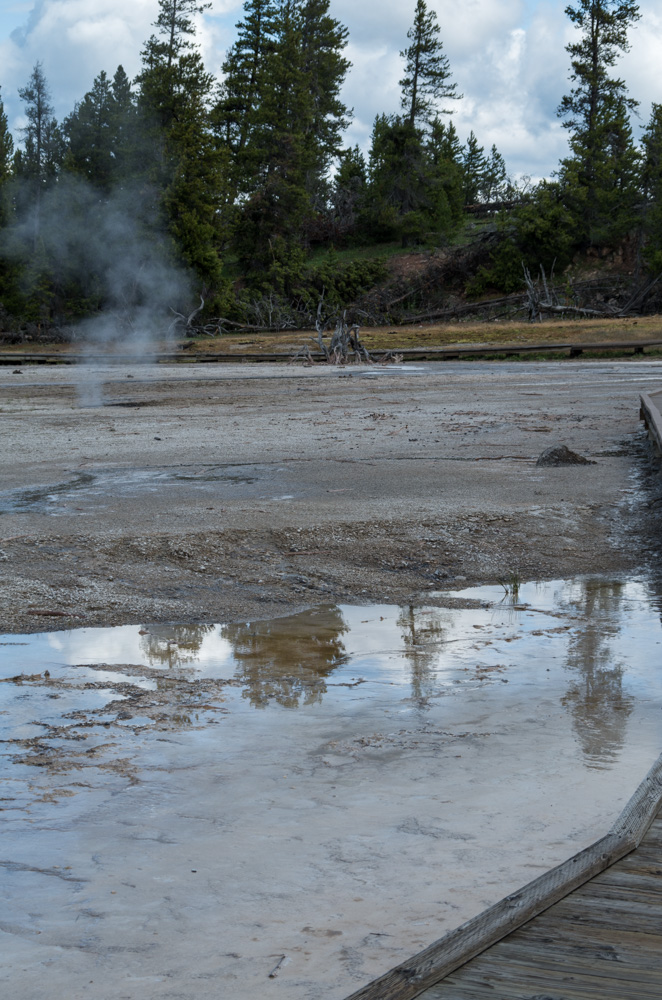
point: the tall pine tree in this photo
(295, 127)
(43, 150)
(444, 152)
(185, 164)
(6, 155)
(427, 70)
(595, 112)
(652, 185)
(324, 68)
(349, 190)
(245, 70)
(91, 133)
(495, 183)
(474, 167)
(37, 164)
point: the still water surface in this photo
(593, 645)
(186, 807)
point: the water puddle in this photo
(95, 489)
(588, 648)
(315, 769)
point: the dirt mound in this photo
(561, 455)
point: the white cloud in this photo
(641, 66)
(507, 58)
(74, 40)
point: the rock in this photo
(561, 455)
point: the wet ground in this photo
(292, 806)
(320, 793)
(219, 493)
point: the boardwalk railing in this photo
(445, 956)
(651, 414)
(406, 353)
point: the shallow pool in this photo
(340, 787)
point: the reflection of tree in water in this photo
(288, 659)
(173, 645)
(598, 705)
(421, 634)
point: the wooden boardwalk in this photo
(406, 353)
(602, 942)
(589, 929)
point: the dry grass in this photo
(430, 335)
(450, 335)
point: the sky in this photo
(507, 56)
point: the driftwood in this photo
(639, 297)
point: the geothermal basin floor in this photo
(291, 807)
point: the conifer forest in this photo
(226, 197)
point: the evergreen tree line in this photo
(237, 182)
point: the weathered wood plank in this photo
(519, 980)
(601, 913)
(644, 878)
(590, 958)
(631, 947)
(643, 891)
(511, 969)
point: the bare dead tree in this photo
(346, 341)
(541, 300)
(186, 321)
(319, 326)
(345, 344)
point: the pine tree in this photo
(90, 133)
(324, 68)
(6, 154)
(37, 164)
(42, 137)
(445, 142)
(295, 130)
(349, 189)
(281, 158)
(183, 161)
(243, 88)
(6, 145)
(125, 127)
(495, 182)
(474, 167)
(427, 70)
(400, 184)
(596, 112)
(652, 189)
(444, 153)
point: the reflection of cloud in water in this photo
(601, 636)
(168, 646)
(199, 646)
